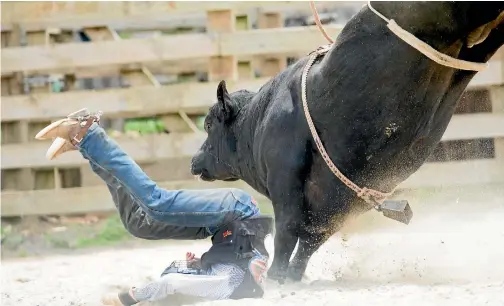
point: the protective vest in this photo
(242, 243)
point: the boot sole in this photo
(43, 133)
(55, 148)
(84, 111)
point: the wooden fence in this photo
(243, 42)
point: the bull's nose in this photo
(195, 170)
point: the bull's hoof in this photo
(277, 275)
(295, 274)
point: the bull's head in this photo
(216, 158)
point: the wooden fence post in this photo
(497, 96)
(17, 132)
(98, 33)
(271, 66)
(222, 67)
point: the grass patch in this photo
(13, 241)
(57, 242)
(4, 231)
(112, 232)
(144, 125)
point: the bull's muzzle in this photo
(197, 166)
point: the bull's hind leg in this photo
(313, 234)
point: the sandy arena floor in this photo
(451, 254)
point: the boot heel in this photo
(81, 114)
(58, 147)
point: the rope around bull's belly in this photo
(373, 197)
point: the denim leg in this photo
(211, 208)
(137, 222)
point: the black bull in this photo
(380, 108)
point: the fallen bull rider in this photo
(235, 265)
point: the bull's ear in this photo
(226, 105)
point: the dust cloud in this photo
(450, 254)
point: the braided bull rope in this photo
(413, 41)
(370, 196)
(373, 197)
(425, 49)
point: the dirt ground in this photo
(450, 254)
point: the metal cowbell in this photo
(397, 210)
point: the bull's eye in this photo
(207, 126)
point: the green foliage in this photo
(4, 231)
(57, 241)
(125, 35)
(200, 121)
(111, 233)
(242, 23)
(178, 30)
(144, 125)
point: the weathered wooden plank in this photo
(222, 67)
(474, 172)
(142, 149)
(75, 56)
(492, 76)
(153, 147)
(285, 41)
(192, 98)
(93, 199)
(81, 57)
(89, 199)
(172, 68)
(472, 126)
(35, 16)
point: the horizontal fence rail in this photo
(135, 15)
(75, 56)
(138, 101)
(98, 199)
(164, 146)
(192, 98)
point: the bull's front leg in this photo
(286, 176)
(287, 201)
(308, 245)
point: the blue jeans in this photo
(171, 214)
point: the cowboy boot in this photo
(60, 127)
(68, 132)
(122, 299)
